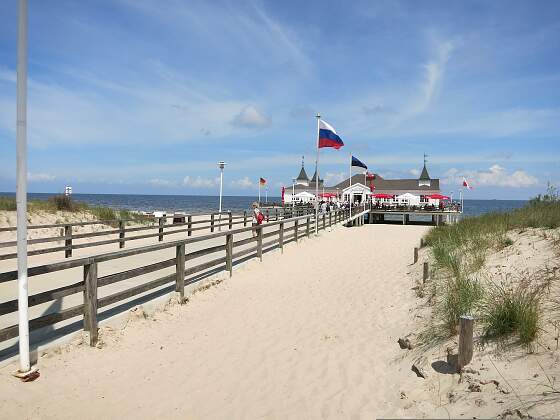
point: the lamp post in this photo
(221, 165)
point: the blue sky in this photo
(142, 96)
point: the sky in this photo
(145, 96)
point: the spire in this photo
(302, 178)
(314, 178)
(424, 175)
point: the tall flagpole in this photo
(21, 188)
(350, 195)
(318, 116)
(259, 192)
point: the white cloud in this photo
(243, 183)
(414, 172)
(199, 182)
(40, 177)
(494, 176)
(157, 182)
(335, 177)
(251, 117)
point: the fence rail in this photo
(184, 262)
(161, 229)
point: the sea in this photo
(201, 204)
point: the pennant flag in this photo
(262, 181)
(328, 136)
(357, 162)
(466, 184)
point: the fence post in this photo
(415, 255)
(180, 272)
(466, 323)
(90, 302)
(296, 227)
(189, 225)
(421, 242)
(425, 272)
(244, 217)
(281, 237)
(121, 234)
(307, 227)
(330, 219)
(161, 223)
(230, 220)
(324, 221)
(259, 242)
(212, 222)
(68, 241)
(267, 215)
(229, 253)
(276, 214)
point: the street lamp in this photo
(221, 165)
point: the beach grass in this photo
(63, 203)
(460, 252)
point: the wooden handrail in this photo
(91, 282)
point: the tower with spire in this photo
(424, 180)
(302, 178)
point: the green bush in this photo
(460, 296)
(62, 202)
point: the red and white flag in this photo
(466, 184)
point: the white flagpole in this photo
(350, 195)
(318, 116)
(259, 192)
(21, 188)
(266, 193)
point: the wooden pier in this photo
(436, 217)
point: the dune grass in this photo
(66, 204)
(460, 252)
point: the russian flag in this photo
(328, 136)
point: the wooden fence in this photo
(274, 234)
(122, 233)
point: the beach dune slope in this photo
(308, 334)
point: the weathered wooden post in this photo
(212, 222)
(330, 219)
(161, 223)
(180, 272)
(415, 255)
(421, 242)
(281, 237)
(229, 253)
(90, 302)
(68, 241)
(189, 225)
(245, 218)
(307, 226)
(324, 217)
(121, 234)
(425, 272)
(276, 214)
(259, 242)
(296, 227)
(267, 215)
(230, 217)
(466, 324)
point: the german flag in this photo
(262, 181)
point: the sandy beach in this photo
(308, 334)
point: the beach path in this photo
(308, 334)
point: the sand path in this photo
(308, 334)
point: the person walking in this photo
(257, 218)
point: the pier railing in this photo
(189, 265)
(160, 226)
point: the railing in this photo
(281, 231)
(122, 232)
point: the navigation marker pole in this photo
(317, 179)
(21, 192)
